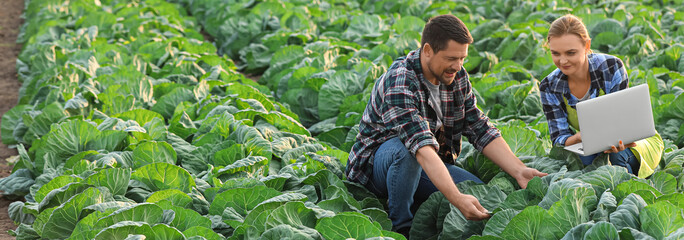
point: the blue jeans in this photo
(624, 158)
(398, 177)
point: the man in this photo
(412, 127)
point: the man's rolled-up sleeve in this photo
(479, 130)
(401, 114)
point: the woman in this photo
(582, 75)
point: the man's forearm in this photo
(500, 153)
(439, 175)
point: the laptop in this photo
(605, 120)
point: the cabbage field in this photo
(232, 119)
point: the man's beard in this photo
(440, 77)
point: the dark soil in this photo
(10, 23)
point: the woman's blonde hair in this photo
(568, 24)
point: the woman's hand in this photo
(574, 139)
(620, 147)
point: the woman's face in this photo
(569, 53)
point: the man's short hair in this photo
(440, 29)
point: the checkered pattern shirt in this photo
(606, 72)
(399, 107)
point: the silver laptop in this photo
(623, 115)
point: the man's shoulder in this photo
(401, 72)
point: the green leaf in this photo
(249, 166)
(55, 183)
(121, 230)
(110, 140)
(573, 208)
(19, 212)
(627, 213)
(339, 86)
(62, 220)
(294, 214)
(262, 210)
(661, 219)
(167, 104)
(242, 200)
(175, 196)
(347, 225)
(606, 205)
(59, 196)
(9, 122)
(107, 206)
(578, 231)
(408, 23)
(679, 234)
(335, 136)
(532, 223)
(143, 212)
(153, 152)
(204, 232)
(182, 125)
(429, 219)
(364, 26)
(377, 215)
(69, 138)
(605, 40)
(338, 200)
(285, 123)
(675, 198)
(633, 186)
(161, 176)
(606, 177)
(490, 197)
(457, 227)
(249, 92)
(558, 190)
(664, 182)
(141, 116)
(631, 234)
(114, 179)
(285, 231)
(520, 199)
(602, 230)
(293, 154)
(115, 104)
(156, 128)
(497, 223)
(184, 219)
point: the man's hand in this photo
(620, 147)
(525, 174)
(439, 175)
(500, 153)
(470, 207)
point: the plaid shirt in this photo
(606, 72)
(399, 107)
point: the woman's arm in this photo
(556, 117)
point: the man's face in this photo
(443, 66)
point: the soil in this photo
(10, 22)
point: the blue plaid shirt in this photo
(399, 107)
(606, 72)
